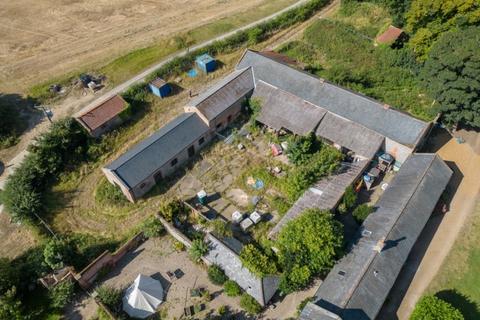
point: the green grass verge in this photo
(458, 281)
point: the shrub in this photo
(431, 307)
(178, 246)
(256, 261)
(198, 250)
(220, 228)
(307, 247)
(216, 275)
(152, 227)
(249, 304)
(10, 306)
(222, 310)
(300, 149)
(57, 253)
(110, 297)
(232, 289)
(109, 194)
(361, 212)
(348, 201)
(170, 208)
(61, 294)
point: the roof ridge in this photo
(84, 113)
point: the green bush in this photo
(249, 304)
(232, 289)
(10, 124)
(198, 250)
(348, 200)
(57, 253)
(361, 212)
(61, 294)
(308, 246)
(152, 227)
(11, 306)
(216, 275)
(430, 307)
(110, 297)
(301, 149)
(220, 228)
(109, 194)
(170, 208)
(256, 261)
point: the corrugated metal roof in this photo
(158, 83)
(283, 110)
(399, 217)
(324, 194)
(224, 93)
(390, 35)
(148, 156)
(104, 112)
(351, 135)
(228, 259)
(372, 114)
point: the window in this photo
(219, 125)
(229, 118)
(201, 141)
(142, 185)
(191, 151)
(174, 162)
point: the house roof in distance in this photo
(390, 35)
(150, 154)
(102, 113)
(358, 285)
(225, 254)
(283, 110)
(371, 114)
(224, 93)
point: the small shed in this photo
(390, 36)
(206, 63)
(160, 87)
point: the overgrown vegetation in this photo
(152, 227)
(198, 250)
(62, 294)
(249, 304)
(308, 246)
(431, 307)
(110, 297)
(170, 208)
(231, 288)
(348, 200)
(255, 260)
(10, 123)
(64, 146)
(216, 275)
(361, 212)
(301, 149)
(109, 194)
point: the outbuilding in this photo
(104, 116)
(206, 63)
(160, 87)
(391, 36)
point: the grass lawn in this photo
(341, 50)
(126, 66)
(458, 281)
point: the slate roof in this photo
(226, 256)
(283, 110)
(350, 135)
(148, 156)
(399, 217)
(324, 194)
(104, 112)
(372, 114)
(224, 93)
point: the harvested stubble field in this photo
(47, 39)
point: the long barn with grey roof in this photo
(225, 254)
(402, 132)
(358, 285)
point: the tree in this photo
(300, 149)
(249, 304)
(62, 294)
(198, 249)
(110, 297)
(361, 212)
(170, 208)
(216, 275)
(428, 20)
(232, 289)
(430, 307)
(9, 123)
(307, 247)
(348, 201)
(9, 276)
(57, 253)
(256, 261)
(452, 76)
(10, 306)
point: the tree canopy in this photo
(307, 247)
(452, 76)
(432, 308)
(427, 20)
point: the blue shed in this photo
(206, 63)
(160, 87)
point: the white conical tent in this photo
(143, 297)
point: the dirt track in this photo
(48, 38)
